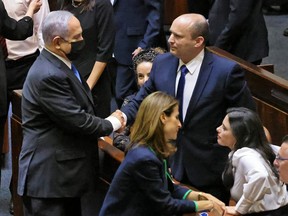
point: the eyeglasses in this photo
(278, 158)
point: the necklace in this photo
(76, 4)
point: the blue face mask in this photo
(76, 49)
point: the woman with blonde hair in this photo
(142, 184)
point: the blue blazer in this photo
(141, 187)
(220, 85)
(138, 24)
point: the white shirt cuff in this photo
(116, 124)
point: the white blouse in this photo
(255, 188)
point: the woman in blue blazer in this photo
(142, 184)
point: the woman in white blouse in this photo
(249, 174)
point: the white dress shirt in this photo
(190, 79)
(256, 188)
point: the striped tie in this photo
(4, 47)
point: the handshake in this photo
(118, 120)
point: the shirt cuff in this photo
(116, 124)
(196, 206)
(186, 194)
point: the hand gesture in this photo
(34, 7)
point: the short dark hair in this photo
(147, 55)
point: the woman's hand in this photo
(206, 196)
(231, 210)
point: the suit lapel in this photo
(201, 83)
(63, 67)
(172, 73)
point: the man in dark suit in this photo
(138, 26)
(212, 85)
(13, 30)
(58, 162)
(238, 26)
(199, 6)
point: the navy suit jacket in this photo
(59, 155)
(141, 187)
(238, 26)
(138, 24)
(220, 85)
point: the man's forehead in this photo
(284, 150)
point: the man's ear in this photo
(199, 41)
(56, 42)
(163, 118)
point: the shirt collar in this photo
(68, 63)
(193, 63)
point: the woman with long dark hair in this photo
(249, 174)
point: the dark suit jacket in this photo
(220, 85)
(238, 26)
(138, 24)
(59, 156)
(140, 187)
(13, 30)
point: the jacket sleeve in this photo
(154, 21)
(58, 101)
(15, 30)
(240, 10)
(148, 177)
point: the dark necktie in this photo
(180, 90)
(76, 72)
(4, 47)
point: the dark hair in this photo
(147, 55)
(87, 5)
(248, 131)
(200, 28)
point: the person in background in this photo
(211, 85)
(239, 27)
(22, 54)
(281, 160)
(13, 30)
(138, 27)
(199, 6)
(96, 18)
(249, 174)
(142, 184)
(142, 64)
(58, 162)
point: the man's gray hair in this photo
(55, 24)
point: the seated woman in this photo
(142, 64)
(249, 174)
(142, 184)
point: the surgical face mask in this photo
(76, 49)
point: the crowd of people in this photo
(170, 105)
